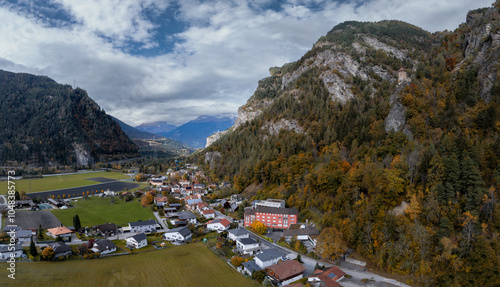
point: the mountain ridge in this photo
(343, 137)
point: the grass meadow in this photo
(95, 210)
(64, 181)
(187, 265)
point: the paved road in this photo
(113, 186)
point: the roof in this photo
(303, 231)
(222, 221)
(142, 223)
(106, 227)
(104, 244)
(59, 230)
(60, 247)
(175, 204)
(265, 209)
(208, 211)
(238, 231)
(251, 266)
(23, 233)
(184, 231)
(186, 215)
(139, 237)
(269, 254)
(329, 275)
(5, 248)
(161, 199)
(246, 241)
(201, 205)
(285, 269)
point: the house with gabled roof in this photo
(249, 267)
(8, 251)
(137, 241)
(209, 213)
(61, 231)
(108, 229)
(327, 277)
(269, 257)
(179, 234)
(220, 225)
(61, 249)
(104, 246)
(147, 226)
(161, 200)
(285, 272)
(237, 233)
(23, 236)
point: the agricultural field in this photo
(65, 181)
(186, 265)
(96, 210)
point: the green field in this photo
(64, 181)
(188, 265)
(96, 210)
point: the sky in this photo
(174, 60)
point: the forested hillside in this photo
(405, 170)
(45, 123)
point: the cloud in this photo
(215, 61)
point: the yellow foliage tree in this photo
(236, 261)
(259, 227)
(330, 244)
(48, 253)
(147, 199)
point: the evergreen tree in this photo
(33, 250)
(76, 222)
(471, 183)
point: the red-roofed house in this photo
(328, 277)
(202, 206)
(161, 200)
(61, 231)
(285, 272)
(220, 225)
(209, 213)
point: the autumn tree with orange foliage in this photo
(330, 244)
(147, 199)
(258, 227)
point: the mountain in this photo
(134, 133)
(46, 123)
(195, 132)
(158, 128)
(387, 137)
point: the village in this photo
(262, 239)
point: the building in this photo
(138, 241)
(61, 249)
(188, 217)
(302, 232)
(275, 218)
(276, 203)
(249, 267)
(62, 231)
(11, 251)
(209, 213)
(23, 236)
(402, 77)
(285, 272)
(161, 200)
(269, 257)
(237, 233)
(220, 225)
(108, 229)
(327, 277)
(143, 226)
(104, 246)
(181, 234)
(247, 245)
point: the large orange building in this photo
(274, 218)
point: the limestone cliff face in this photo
(482, 47)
